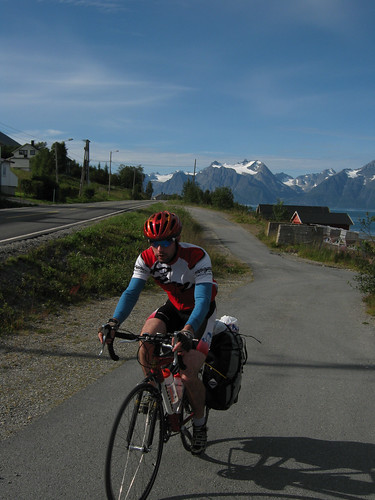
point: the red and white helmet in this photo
(162, 226)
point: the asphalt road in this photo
(25, 222)
(303, 427)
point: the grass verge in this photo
(89, 264)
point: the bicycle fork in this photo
(144, 444)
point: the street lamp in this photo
(110, 164)
(56, 160)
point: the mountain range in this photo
(252, 183)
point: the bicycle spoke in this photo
(130, 450)
(135, 448)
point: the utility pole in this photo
(86, 159)
(195, 166)
(57, 164)
(85, 167)
(110, 164)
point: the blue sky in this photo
(165, 82)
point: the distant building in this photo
(333, 219)
(22, 155)
(8, 180)
(267, 210)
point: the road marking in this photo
(31, 215)
(44, 231)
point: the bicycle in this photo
(145, 421)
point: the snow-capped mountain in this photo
(252, 183)
(305, 182)
(169, 183)
(346, 189)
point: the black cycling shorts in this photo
(175, 320)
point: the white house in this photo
(21, 156)
(8, 180)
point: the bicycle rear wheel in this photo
(135, 446)
(186, 423)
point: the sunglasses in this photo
(162, 243)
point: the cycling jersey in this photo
(187, 280)
(191, 266)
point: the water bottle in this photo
(180, 390)
(179, 385)
(170, 386)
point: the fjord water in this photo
(357, 215)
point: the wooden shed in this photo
(267, 210)
(333, 219)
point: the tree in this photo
(149, 190)
(131, 178)
(280, 213)
(97, 174)
(60, 153)
(191, 192)
(222, 197)
(43, 164)
(207, 198)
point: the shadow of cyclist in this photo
(337, 467)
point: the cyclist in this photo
(184, 271)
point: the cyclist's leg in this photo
(197, 396)
(193, 361)
(152, 326)
(194, 386)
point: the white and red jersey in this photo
(190, 266)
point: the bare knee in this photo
(154, 325)
(193, 361)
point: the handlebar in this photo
(128, 336)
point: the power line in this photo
(20, 131)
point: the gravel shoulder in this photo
(57, 356)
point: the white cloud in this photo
(78, 82)
(103, 5)
(335, 16)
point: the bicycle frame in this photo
(160, 361)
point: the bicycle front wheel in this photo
(135, 446)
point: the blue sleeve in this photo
(128, 299)
(202, 297)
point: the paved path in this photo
(304, 425)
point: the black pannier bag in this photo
(222, 373)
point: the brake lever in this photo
(103, 345)
(107, 331)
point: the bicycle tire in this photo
(135, 446)
(186, 423)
